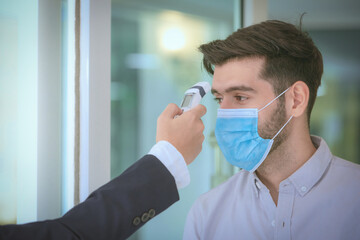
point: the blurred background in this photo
(154, 59)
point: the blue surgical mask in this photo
(238, 138)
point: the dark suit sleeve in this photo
(114, 211)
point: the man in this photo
(265, 78)
(144, 190)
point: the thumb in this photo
(171, 111)
(199, 110)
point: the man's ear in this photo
(299, 98)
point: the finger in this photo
(171, 111)
(199, 110)
(202, 126)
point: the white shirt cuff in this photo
(173, 161)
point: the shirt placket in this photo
(268, 206)
(284, 211)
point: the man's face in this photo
(237, 84)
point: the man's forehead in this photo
(240, 74)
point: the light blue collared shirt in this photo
(320, 201)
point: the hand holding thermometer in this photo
(194, 95)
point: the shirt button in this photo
(303, 188)
(273, 223)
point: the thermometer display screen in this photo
(187, 100)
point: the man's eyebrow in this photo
(235, 88)
(214, 91)
(240, 88)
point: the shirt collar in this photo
(257, 184)
(310, 173)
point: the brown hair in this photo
(290, 55)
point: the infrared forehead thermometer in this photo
(194, 95)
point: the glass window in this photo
(18, 110)
(32, 64)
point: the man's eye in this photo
(218, 100)
(240, 98)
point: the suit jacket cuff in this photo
(173, 161)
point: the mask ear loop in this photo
(282, 128)
(274, 99)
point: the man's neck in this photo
(284, 161)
